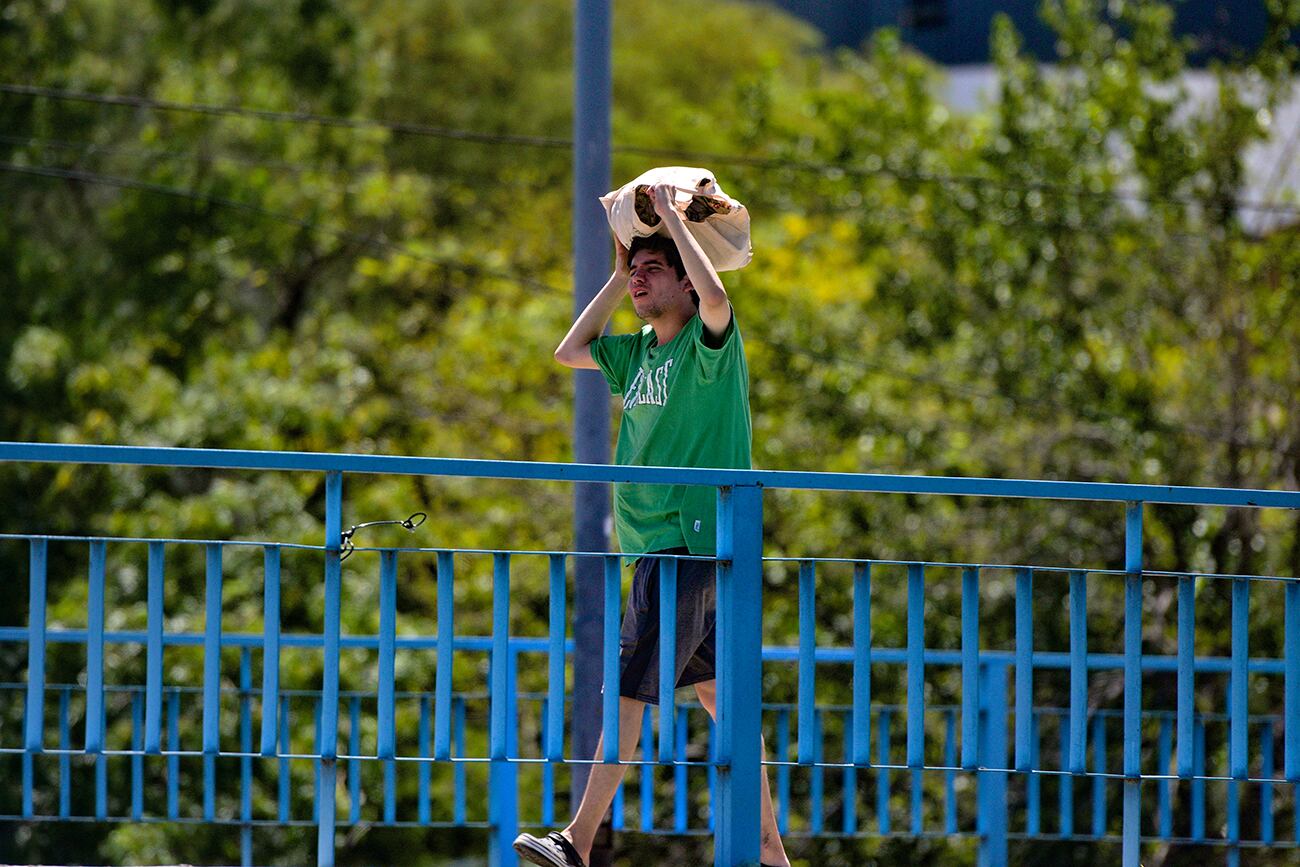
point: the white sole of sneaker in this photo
(528, 848)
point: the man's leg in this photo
(604, 779)
(772, 852)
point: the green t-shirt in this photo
(685, 404)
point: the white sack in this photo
(719, 223)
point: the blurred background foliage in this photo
(1059, 286)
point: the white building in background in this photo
(955, 33)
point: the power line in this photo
(968, 393)
(556, 143)
(341, 234)
(404, 127)
(903, 219)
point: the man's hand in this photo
(621, 268)
(665, 198)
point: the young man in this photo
(685, 390)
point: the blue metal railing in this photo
(1001, 743)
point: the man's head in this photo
(658, 281)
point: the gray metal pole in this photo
(591, 263)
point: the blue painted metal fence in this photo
(1150, 762)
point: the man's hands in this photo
(664, 197)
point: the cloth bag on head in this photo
(719, 223)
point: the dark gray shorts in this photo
(639, 638)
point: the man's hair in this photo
(658, 244)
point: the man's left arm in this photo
(715, 308)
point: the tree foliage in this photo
(1059, 286)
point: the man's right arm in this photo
(575, 349)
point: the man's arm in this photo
(715, 309)
(575, 349)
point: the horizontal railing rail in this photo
(840, 760)
(557, 472)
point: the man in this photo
(685, 390)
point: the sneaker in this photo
(554, 850)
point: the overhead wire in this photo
(371, 241)
(905, 219)
(1041, 409)
(559, 143)
(405, 127)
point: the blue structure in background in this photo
(1000, 743)
(956, 32)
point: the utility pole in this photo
(592, 93)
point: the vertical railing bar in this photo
(915, 792)
(386, 746)
(1233, 809)
(884, 726)
(807, 659)
(817, 784)
(503, 777)
(101, 786)
(1186, 673)
(610, 698)
(26, 761)
(328, 708)
(333, 593)
(458, 770)
(423, 769)
(325, 830)
(740, 624)
(38, 560)
(1291, 686)
(390, 791)
(95, 649)
(647, 769)
(1132, 831)
(283, 805)
(1065, 795)
(950, 776)
(1078, 672)
(618, 808)
(548, 769)
(316, 763)
(1024, 664)
(679, 773)
(65, 761)
(154, 649)
(212, 651)
(862, 664)
(245, 735)
(173, 761)
(970, 654)
(354, 766)
(1239, 681)
(915, 665)
(270, 648)
(442, 701)
(1034, 785)
(849, 781)
(991, 787)
(712, 772)
(500, 654)
(1099, 782)
(667, 656)
(783, 771)
(1164, 789)
(209, 787)
(1268, 768)
(554, 747)
(1198, 785)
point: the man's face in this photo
(654, 286)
